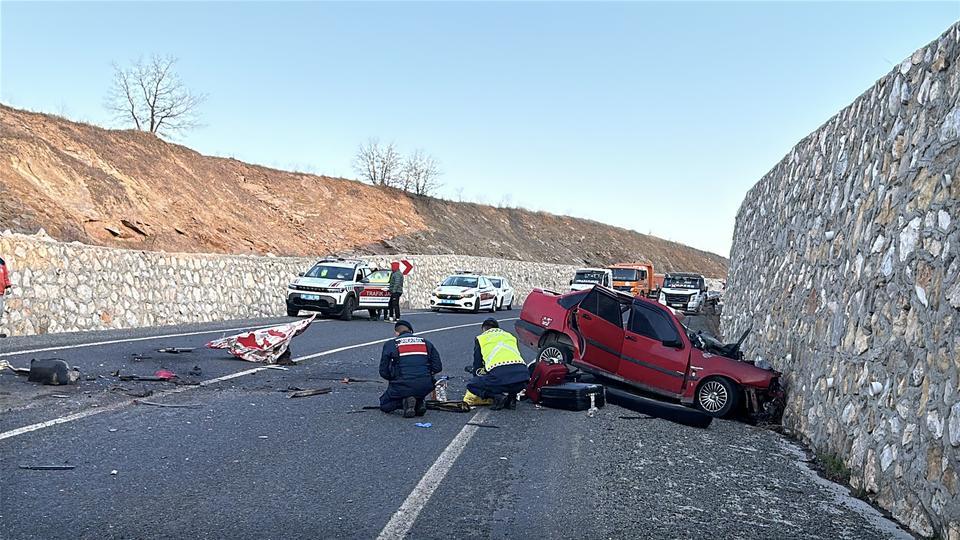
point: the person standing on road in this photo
(408, 363)
(395, 287)
(4, 287)
(500, 371)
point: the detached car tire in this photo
(554, 351)
(717, 396)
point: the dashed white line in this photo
(403, 519)
(119, 405)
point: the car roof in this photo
(684, 274)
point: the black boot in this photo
(409, 407)
(421, 408)
(499, 402)
(512, 402)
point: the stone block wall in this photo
(59, 287)
(845, 263)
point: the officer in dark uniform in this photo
(408, 363)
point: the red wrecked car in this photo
(643, 344)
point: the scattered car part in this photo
(310, 392)
(48, 467)
(53, 371)
(170, 405)
(174, 350)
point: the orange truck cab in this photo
(635, 279)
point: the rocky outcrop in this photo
(60, 287)
(845, 264)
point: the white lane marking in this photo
(129, 340)
(405, 516)
(120, 405)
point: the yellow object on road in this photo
(476, 401)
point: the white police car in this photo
(331, 286)
(504, 291)
(464, 292)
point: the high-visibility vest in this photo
(499, 348)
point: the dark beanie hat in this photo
(404, 323)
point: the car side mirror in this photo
(672, 343)
(301, 274)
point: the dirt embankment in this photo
(131, 189)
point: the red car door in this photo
(600, 326)
(654, 354)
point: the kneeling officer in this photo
(501, 371)
(408, 363)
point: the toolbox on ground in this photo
(572, 396)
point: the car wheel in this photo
(554, 352)
(717, 397)
(493, 306)
(500, 304)
(476, 306)
(349, 306)
(292, 312)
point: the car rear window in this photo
(571, 300)
(606, 307)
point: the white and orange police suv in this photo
(336, 286)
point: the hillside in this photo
(131, 189)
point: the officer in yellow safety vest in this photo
(500, 370)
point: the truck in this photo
(641, 343)
(633, 278)
(586, 278)
(684, 291)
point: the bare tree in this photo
(459, 193)
(151, 96)
(421, 173)
(378, 164)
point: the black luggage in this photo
(572, 396)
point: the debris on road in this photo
(175, 350)
(165, 374)
(274, 366)
(16, 370)
(311, 392)
(137, 357)
(641, 417)
(53, 371)
(195, 372)
(266, 345)
(660, 409)
(263, 437)
(478, 424)
(449, 406)
(169, 405)
(114, 472)
(48, 467)
(424, 424)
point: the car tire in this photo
(717, 396)
(476, 306)
(292, 312)
(349, 306)
(500, 304)
(510, 305)
(554, 351)
(493, 306)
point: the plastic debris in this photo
(266, 345)
(440, 389)
(175, 350)
(263, 437)
(114, 472)
(311, 392)
(478, 424)
(164, 374)
(48, 467)
(424, 424)
(449, 406)
(195, 372)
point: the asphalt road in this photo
(248, 462)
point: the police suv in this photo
(337, 286)
(465, 291)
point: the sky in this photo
(656, 117)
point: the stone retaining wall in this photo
(845, 264)
(60, 287)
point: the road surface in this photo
(248, 462)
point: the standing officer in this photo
(395, 287)
(501, 371)
(408, 363)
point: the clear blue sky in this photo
(652, 116)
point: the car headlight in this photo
(334, 289)
(468, 295)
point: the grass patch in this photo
(833, 468)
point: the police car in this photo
(337, 286)
(466, 292)
(504, 291)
